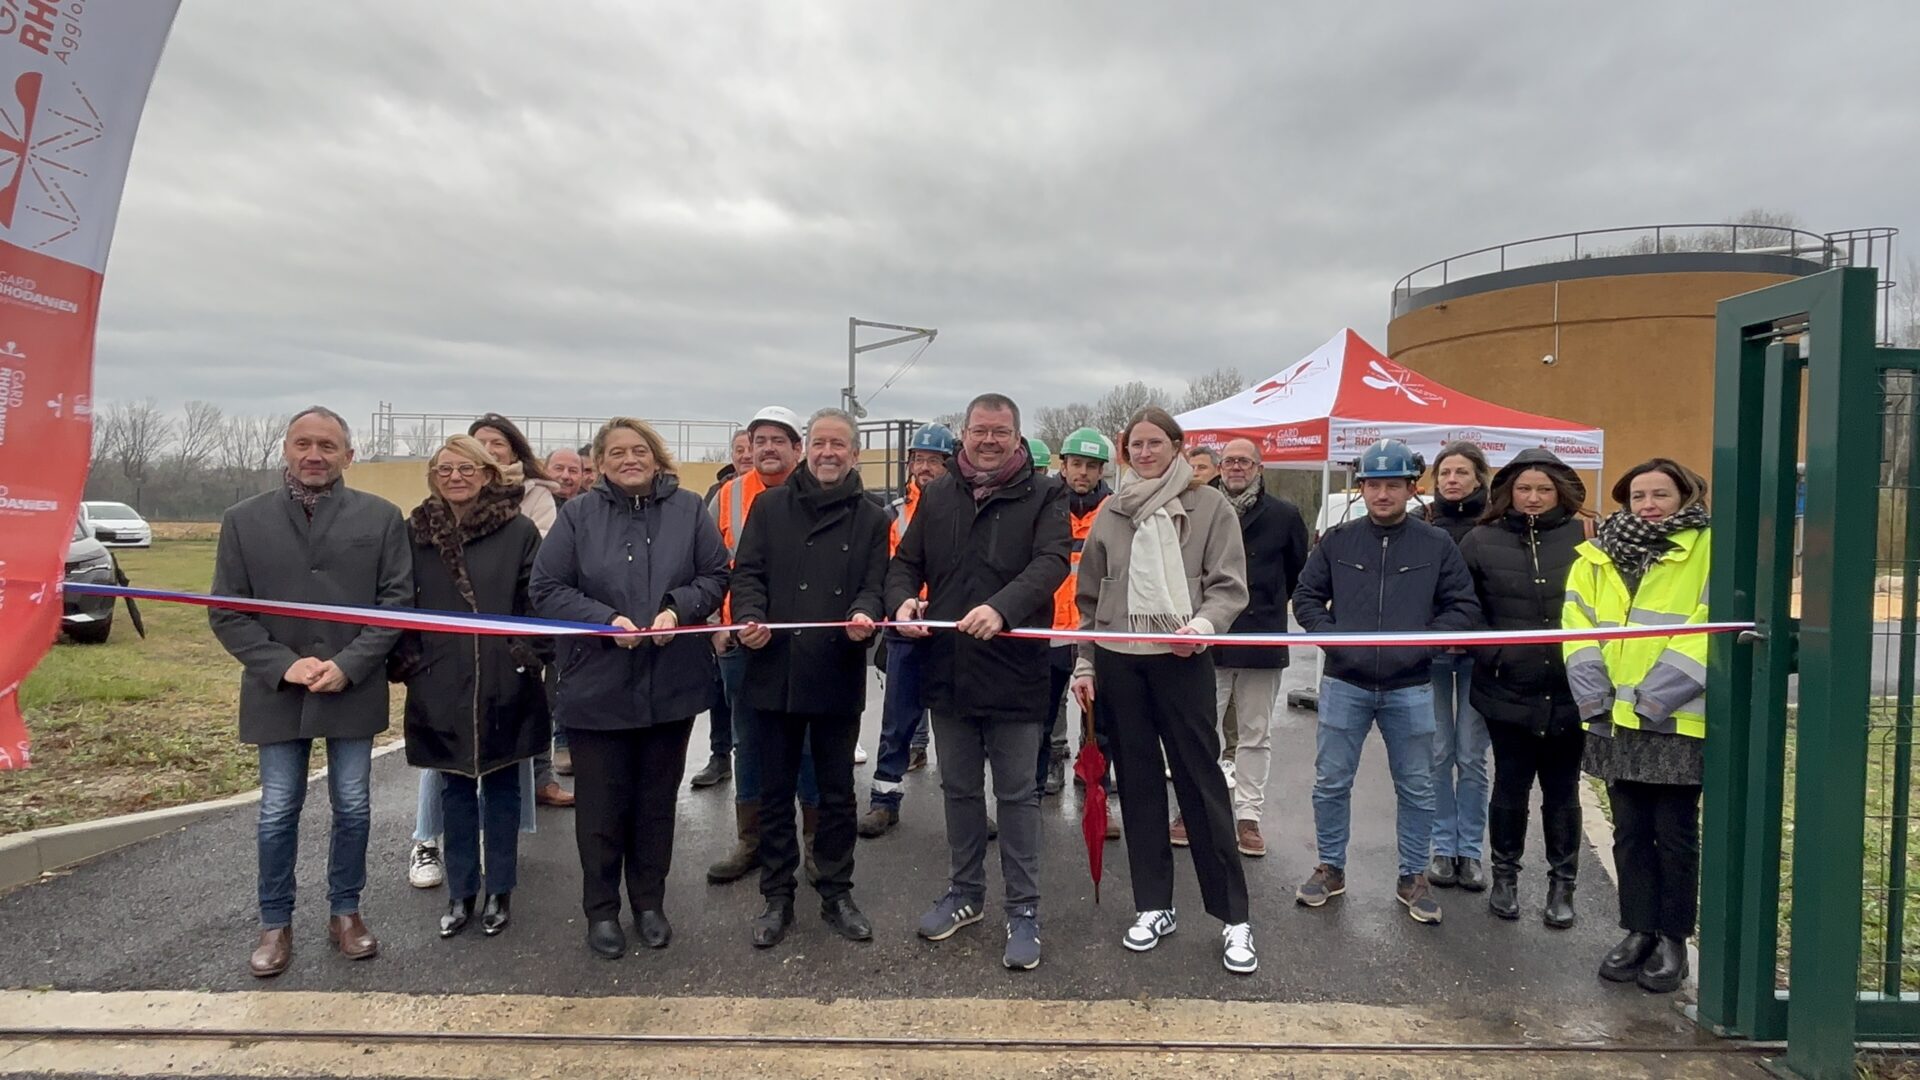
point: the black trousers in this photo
(1656, 845)
(1153, 702)
(783, 738)
(625, 784)
(1520, 757)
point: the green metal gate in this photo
(1810, 874)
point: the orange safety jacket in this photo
(730, 507)
(1066, 611)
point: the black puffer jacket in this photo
(810, 554)
(1365, 576)
(612, 554)
(1519, 566)
(1457, 518)
(1009, 552)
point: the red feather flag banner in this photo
(73, 81)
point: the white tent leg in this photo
(1308, 697)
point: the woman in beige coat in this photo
(1165, 557)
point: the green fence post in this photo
(1835, 670)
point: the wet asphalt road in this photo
(177, 912)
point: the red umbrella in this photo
(1091, 768)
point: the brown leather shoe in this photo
(273, 954)
(350, 935)
(552, 794)
(1250, 842)
(1177, 832)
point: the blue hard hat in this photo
(1389, 459)
(934, 438)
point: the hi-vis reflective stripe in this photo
(906, 513)
(1650, 617)
(736, 512)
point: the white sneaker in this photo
(859, 754)
(1149, 928)
(424, 868)
(1238, 955)
(1226, 769)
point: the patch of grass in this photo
(136, 724)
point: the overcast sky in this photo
(671, 209)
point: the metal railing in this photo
(416, 434)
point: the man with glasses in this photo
(1246, 679)
(989, 545)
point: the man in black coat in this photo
(1247, 680)
(990, 545)
(813, 550)
(317, 541)
(1382, 572)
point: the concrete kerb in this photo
(27, 857)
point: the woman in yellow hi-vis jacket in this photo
(1644, 705)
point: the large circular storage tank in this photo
(1620, 336)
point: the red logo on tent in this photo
(1394, 379)
(1283, 384)
(27, 90)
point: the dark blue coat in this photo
(1363, 576)
(612, 554)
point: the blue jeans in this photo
(1405, 718)
(283, 792)
(497, 797)
(1460, 746)
(746, 740)
(430, 817)
(903, 721)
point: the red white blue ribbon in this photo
(466, 622)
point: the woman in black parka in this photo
(635, 552)
(1519, 558)
(475, 703)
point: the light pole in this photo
(849, 399)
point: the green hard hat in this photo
(1042, 457)
(1087, 443)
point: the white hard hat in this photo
(777, 414)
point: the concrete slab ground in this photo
(176, 914)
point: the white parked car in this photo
(117, 525)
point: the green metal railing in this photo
(1810, 929)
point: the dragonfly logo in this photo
(1394, 379)
(1283, 384)
(26, 90)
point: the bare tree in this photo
(1216, 385)
(1052, 424)
(1117, 406)
(137, 432)
(267, 434)
(199, 432)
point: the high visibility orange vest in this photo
(903, 508)
(1066, 610)
(730, 510)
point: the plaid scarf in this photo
(985, 484)
(433, 523)
(1244, 501)
(1635, 544)
(308, 497)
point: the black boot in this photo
(719, 767)
(770, 927)
(1507, 837)
(459, 913)
(1623, 962)
(1441, 872)
(1561, 828)
(497, 914)
(1666, 967)
(606, 939)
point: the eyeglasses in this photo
(991, 433)
(1237, 463)
(464, 472)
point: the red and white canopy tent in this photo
(1326, 408)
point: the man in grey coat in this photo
(312, 540)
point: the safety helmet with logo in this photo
(1042, 457)
(934, 439)
(1087, 443)
(1389, 459)
(777, 414)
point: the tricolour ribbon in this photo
(466, 622)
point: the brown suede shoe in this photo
(273, 954)
(552, 794)
(1251, 843)
(350, 935)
